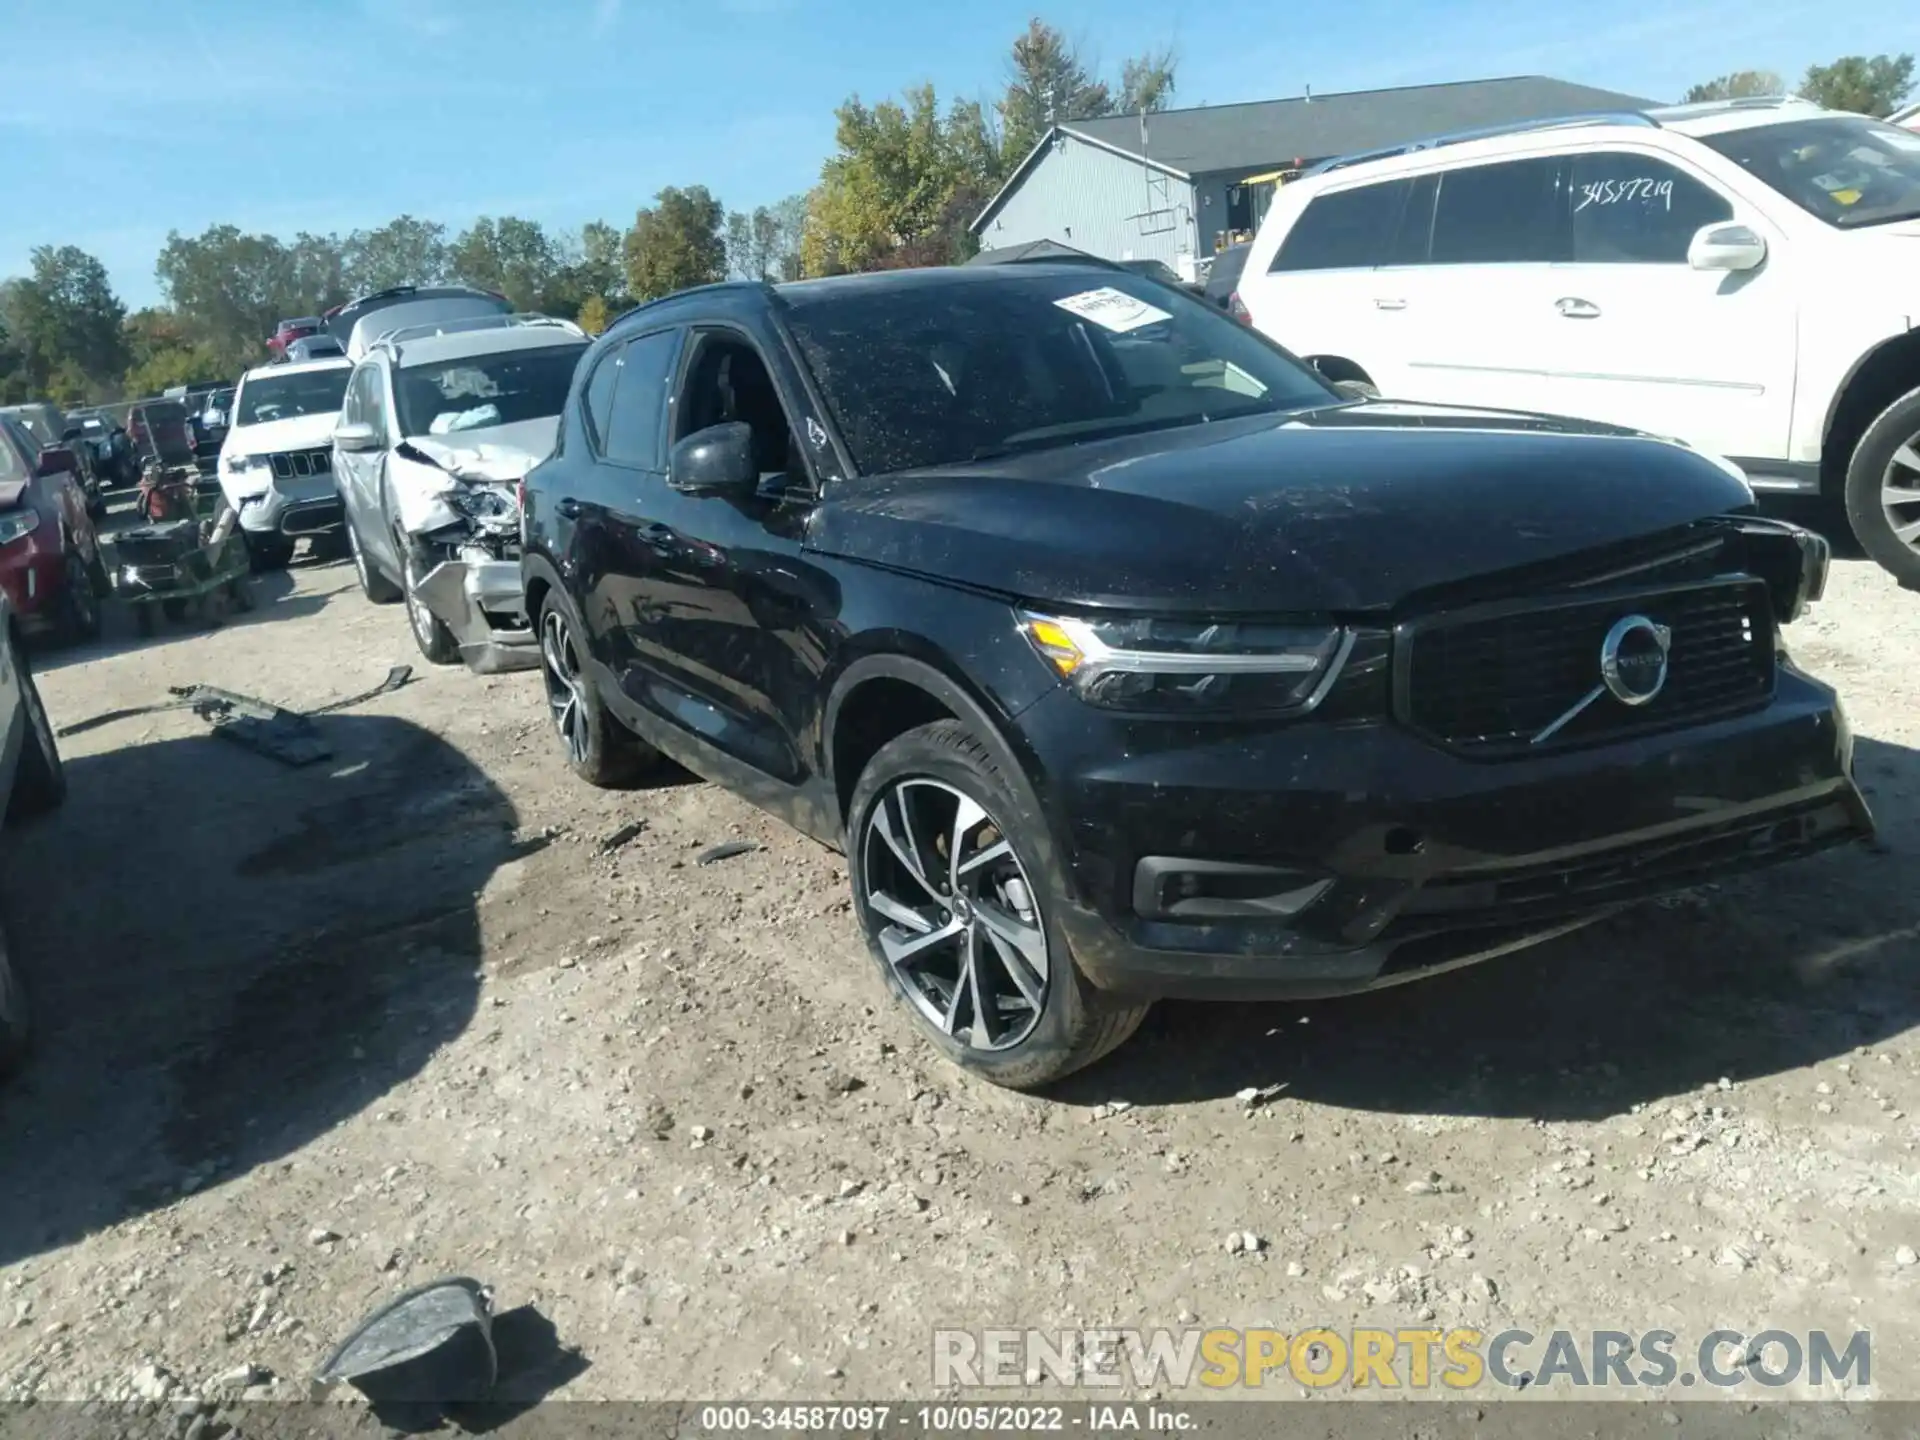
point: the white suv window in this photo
(1510, 213)
(1345, 229)
(1635, 210)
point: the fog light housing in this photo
(1170, 888)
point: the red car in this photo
(32, 782)
(51, 569)
(161, 428)
(287, 331)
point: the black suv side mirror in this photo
(715, 461)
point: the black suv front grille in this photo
(1489, 681)
(291, 464)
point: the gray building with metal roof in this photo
(1169, 186)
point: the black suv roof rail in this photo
(763, 286)
(1487, 132)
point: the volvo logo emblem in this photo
(1633, 659)
(1633, 669)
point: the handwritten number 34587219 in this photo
(1614, 192)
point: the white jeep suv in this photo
(1743, 276)
(276, 462)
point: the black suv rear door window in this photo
(1512, 213)
(599, 395)
(639, 406)
(1344, 230)
(1635, 210)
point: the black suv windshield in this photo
(1846, 169)
(479, 391)
(282, 397)
(934, 371)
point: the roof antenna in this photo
(1309, 94)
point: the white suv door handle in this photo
(1386, 304)
(1575, 308)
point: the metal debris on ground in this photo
(285, 735)
(431, 1346)
(726, 852)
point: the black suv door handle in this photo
(567, 507)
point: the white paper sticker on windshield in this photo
(1112, 309)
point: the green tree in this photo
(1147, 82)
(163, 352)
(1864, 86)
(1047, 81)
(677, 242)
(1740, 85)
(593, 316)
(515, 257)
(901, 186)
(64, 320)
(230, 289)
(405, 251)
(739, 241)
(789, 219)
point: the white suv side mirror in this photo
(1726, 247)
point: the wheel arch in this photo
(1878, 378)
(884, 694)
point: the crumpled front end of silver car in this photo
(473, 586)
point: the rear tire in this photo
(1015, 1009)
(1883, 490)
(40, 779)
(599, 749)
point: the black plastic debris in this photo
(726, 852)
(421, 1355)
(260, 725)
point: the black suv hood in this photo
(1344, 509)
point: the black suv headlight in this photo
(1166, 666)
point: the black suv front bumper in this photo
(1320, 859)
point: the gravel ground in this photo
(312, 1036)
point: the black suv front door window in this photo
(637, 405)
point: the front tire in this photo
(430, 633)
(1883, 490)
(599, 749)
(954, 882)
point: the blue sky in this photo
(335, 114)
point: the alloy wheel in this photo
(955, 913)
(566, 685)
(1900, 493)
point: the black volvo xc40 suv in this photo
(1125, 659)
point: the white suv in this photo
(1742, 275)
(276, 463)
